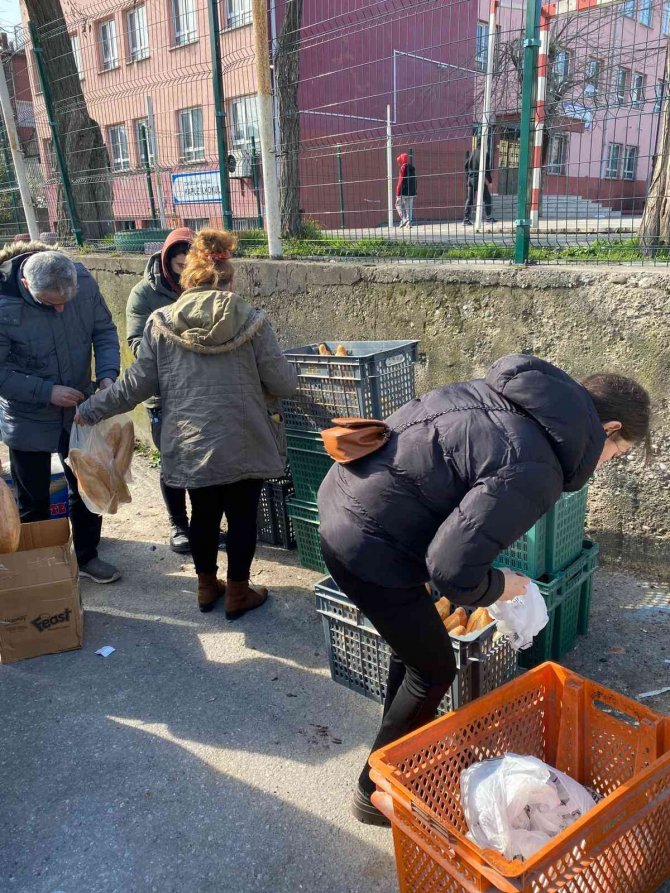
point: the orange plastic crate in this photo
(609, 743)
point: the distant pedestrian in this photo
(405, 190)
(472, 162)
(216, 363)
(52, 318)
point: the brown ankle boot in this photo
(241, 597)
(209, 591)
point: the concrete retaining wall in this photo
(586, 320)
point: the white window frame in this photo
(659, 96)
(592, 78)
(238, 13)
(557, 167)
(638, 83)
(620, 90)
(118, 146)
(561, 66)
(665, 19)
(75, 43)
(190, 150)
(244, 122)
(184, 22)
(138, 33)
(139, 122)
(109, 45)
(610, 172)
(645, 12)
(634, 153)
(482, 46)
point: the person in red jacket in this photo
(405, 190)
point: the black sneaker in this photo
(491, 220)
(363, 810)
(179, 540)
(99, 571)
(223, 542)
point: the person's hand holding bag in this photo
(521, 612)
(516, 584)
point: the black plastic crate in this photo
(375, 379)
(273, 523)
(359, 657)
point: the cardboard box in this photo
(40, 604)
(58, 495)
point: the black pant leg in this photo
(488, 207)
(31, 473)
(206, 513)
(470, 200)
(241, 508)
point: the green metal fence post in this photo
(341, 183)
(147, 169)
(254, 168)
(220, 111)
(53, 126)
(530, 54)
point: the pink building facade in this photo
(422, 63)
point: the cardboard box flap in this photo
(44, 534)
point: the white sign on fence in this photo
(195, 188)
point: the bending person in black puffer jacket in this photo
(468, 470)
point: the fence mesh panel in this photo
(129, 92)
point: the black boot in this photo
(365, 812)
(179, 537)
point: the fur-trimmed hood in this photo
(208, 321)
(12, 257)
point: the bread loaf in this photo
(10, 523)
(459, 631)
(341, 351)
(113, 437)
(94, 480)
(458, 618)
(443, 607)
(325, 351)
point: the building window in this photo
(125, 226)
(622, 78)
(666, 19)
(76, 52)
(191, 134)
(138, 34)
(238, 13)
(145, 148)
(196, 223)
(637, 90)
(557, 154)
(482, 46)
(118, 143)
(560, 69)
(592, 78)
(613, 160)
(630, 163)
(659, 96)
(645, 9)
(244, 123)
(184, 22)
(109, 52)
(629, 8)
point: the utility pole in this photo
(530, 47)
(220, 112)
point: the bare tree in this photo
(654, 229)
(287, 76)
(81, 138)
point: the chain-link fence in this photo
(405, 129)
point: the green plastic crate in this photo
(305, 518)
(309, 463)
(554, 542)
(563, 595)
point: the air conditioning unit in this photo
(243, 166)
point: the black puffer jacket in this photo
(445, 496)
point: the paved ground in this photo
(205, 757)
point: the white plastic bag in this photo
(522, 618)
(516, 804)
(100, 457)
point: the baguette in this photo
(458, 618)
(475, 618)
(459, 631)
(341, 351)
(443, 607)
(124, 455)
(94, 479)
(325, 351)
(484, 620)
(113, 437)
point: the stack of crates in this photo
(555, 554)
(374, 380)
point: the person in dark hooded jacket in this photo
(159, 287)
(405, 190)
(468, 469)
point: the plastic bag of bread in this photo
(100, 457)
